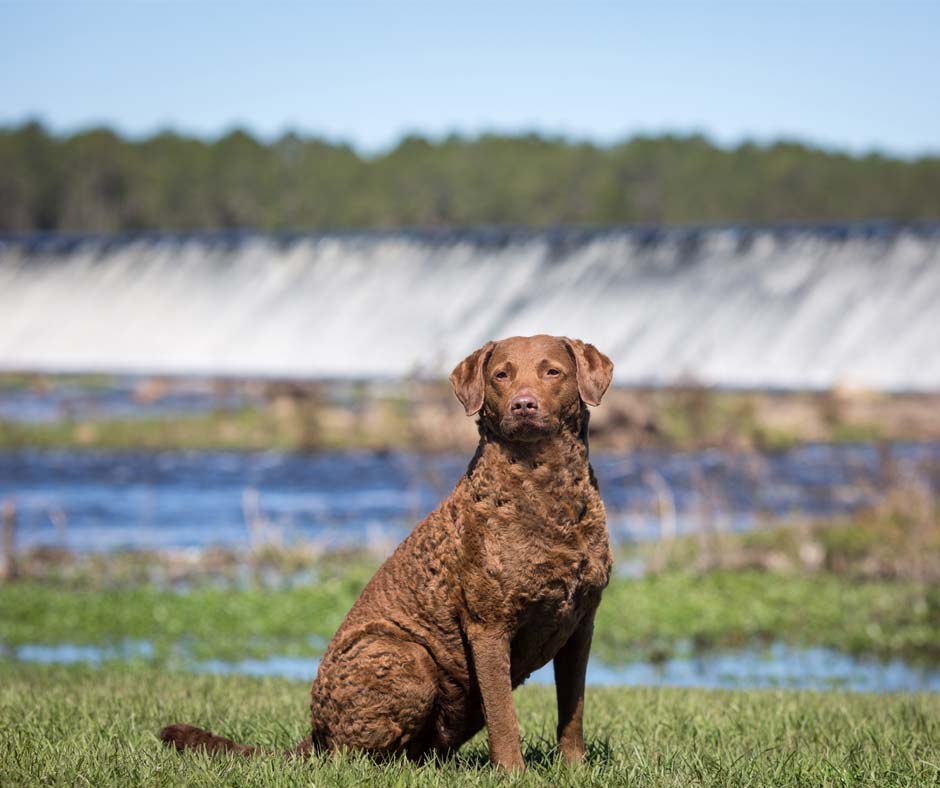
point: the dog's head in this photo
(528, 388)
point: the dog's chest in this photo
(537, 545)
(534, 554)
(553, 595)
(552, 567)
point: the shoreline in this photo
(160, 413)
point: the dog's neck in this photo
(536, 461)
(543, 485)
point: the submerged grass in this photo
(80, 726)
(648, 617)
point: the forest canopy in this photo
(97, 181)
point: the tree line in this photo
(97, 181)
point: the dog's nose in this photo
(523, 405)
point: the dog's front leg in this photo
(570, 665)
(490, 649)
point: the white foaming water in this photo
(793, 308)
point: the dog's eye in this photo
(553, 373)
(501, 375)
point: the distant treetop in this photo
(96, 181)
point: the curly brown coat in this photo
(504, 576)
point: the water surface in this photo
(98, 500)
(776, 666)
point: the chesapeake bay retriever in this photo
(502, 577)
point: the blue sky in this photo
(849, 75)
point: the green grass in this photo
(80, 726)
(246, 429)
(648, 617)
(33, 381)
(734, 607)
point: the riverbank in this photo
(64, 726)
(145, 413)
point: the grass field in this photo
(79, 726)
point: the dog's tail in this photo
(188, 737)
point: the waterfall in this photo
(781, 307)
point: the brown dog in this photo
(502, 577)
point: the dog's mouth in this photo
(524, 426)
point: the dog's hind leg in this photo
(376, 694)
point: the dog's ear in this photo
(595, 370)
(467, 378)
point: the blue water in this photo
(99, 501)
(775, 666)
